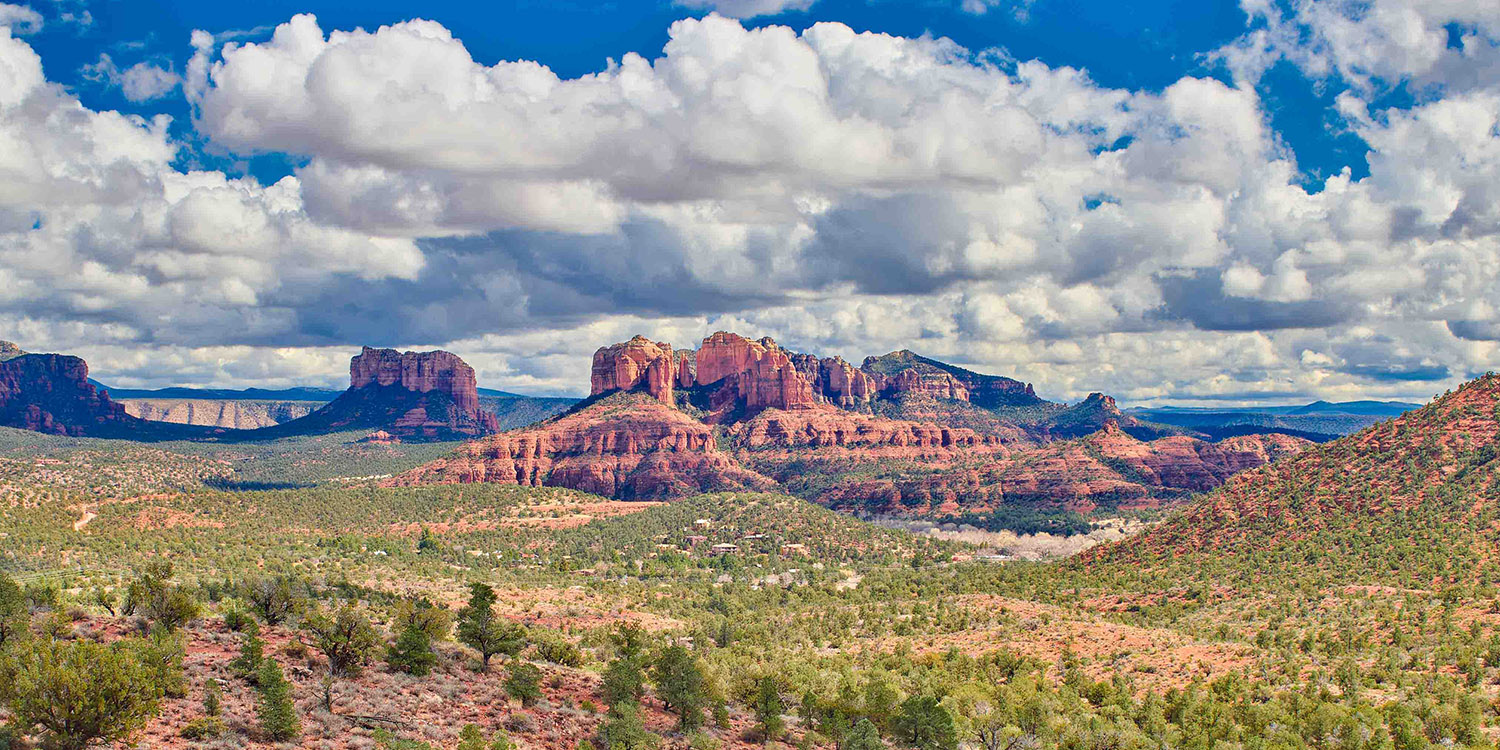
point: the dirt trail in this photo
(88, 516)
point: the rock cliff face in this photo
(411, 395)
(417, 372)
(637, 363)
(52, 393)
(627, 446)
(228, 414)
(823, 429)
(828, 427)
(744, 376)
(9, 351)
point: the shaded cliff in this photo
(411, 395)
(52, 393)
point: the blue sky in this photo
(1251, 201)
(1150, 47)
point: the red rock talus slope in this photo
(52, 393)
(411, 395)
(1445, 455)
(627, 446)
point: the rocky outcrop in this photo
(626, 446)
(9, 351)
(52, 393)
(844, 385)
(417, 372)
(1093, 414)
(741, 376)
(904, 373)
(234, 415)
(637, 363)
(829, 427)
(411, 395)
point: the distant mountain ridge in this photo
(1321, 420)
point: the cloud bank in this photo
(847, 192)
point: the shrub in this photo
(345, 637)
(412, 652)
(236, 619)
(154, 597)
(275, 599)
(559, 651)
(80, 692)
(624, 729)
(203, 728)
(422, 613)
(13, 610)
(524, 683)
(213, 700)
(472, 738)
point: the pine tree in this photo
(624, 729)
(277, 713)
(624, 680)
(213, 701)
(412, 652)
(863, 736)
(924, 724)
(482, 630)
(13, 609)
(252, 653)
(680, 685)
(768, 708)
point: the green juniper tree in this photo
(484, 631)
(79, 692)
(412, 652)
(274, 707)
(524, 683)
(681, 686)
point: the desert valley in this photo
(737, 545)
(750, 374)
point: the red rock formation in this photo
(1107, 467)
(936, 384)
(411, 395)
(419, 372)
(830, 427)
(52, 393)
(903, 373)
(625, 446)
(844, 385)
(725, 354)
(635, 363)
